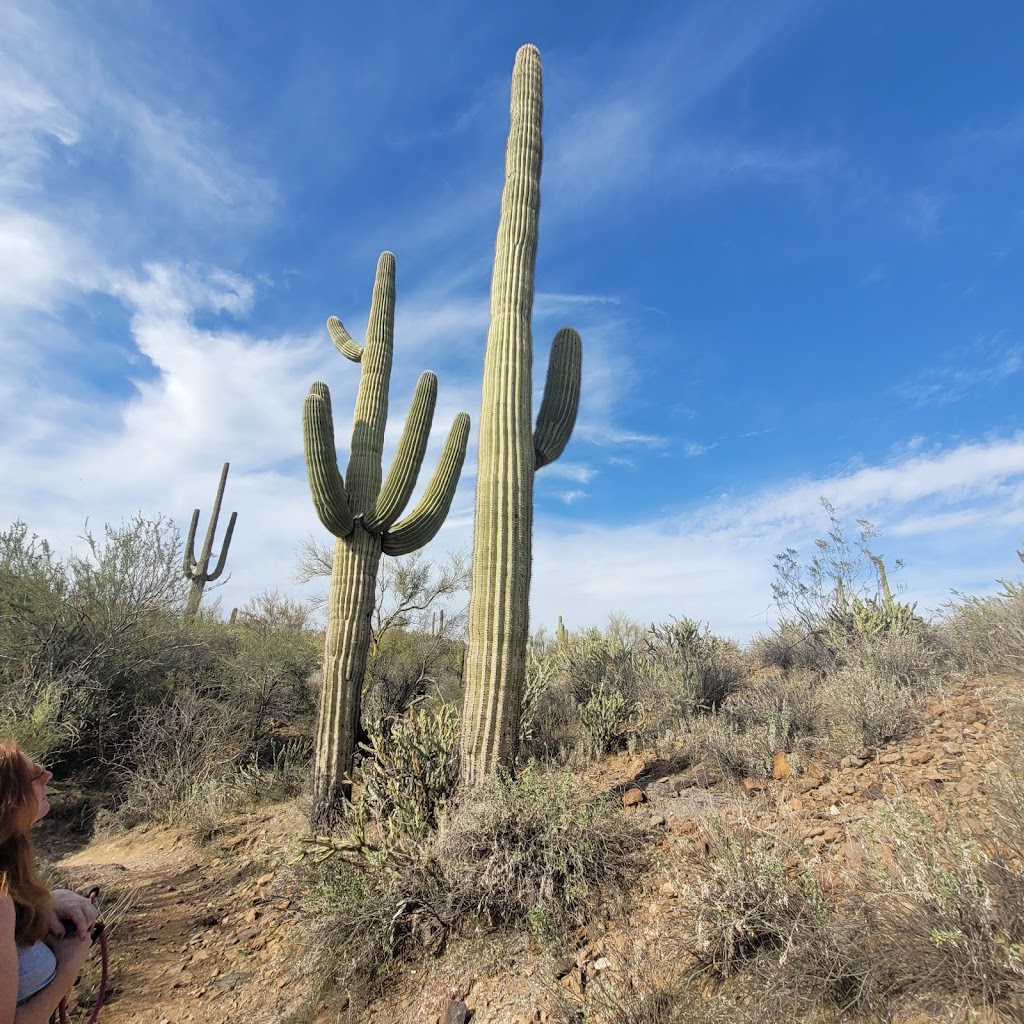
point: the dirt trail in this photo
(194, 934)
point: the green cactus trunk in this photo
(353, 592)
(509, 451)
(197, 569)
(361, 512)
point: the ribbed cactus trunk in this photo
(353, 593)
(510, 451)
(197, 569)
(361, 512)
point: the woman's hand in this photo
(71, 954)
(70, 906)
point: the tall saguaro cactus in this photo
(509, 453)
(197, 569)
(363, 514)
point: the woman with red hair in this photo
(38, 964)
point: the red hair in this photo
(18, 875)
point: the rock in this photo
(563, 966)
(851, 762)
(704, 780)
(633, 797)
(457, 1012)
(894, 757)
(780, 766)
(920, 756)
(874, 792)
(752, 786)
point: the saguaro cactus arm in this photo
(405, 467)
(325, 483)
(343, 340)
(420, 526)
(222, 558)
(561, 400)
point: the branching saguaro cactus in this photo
(509, 452)
(197, 569)
(364, 515)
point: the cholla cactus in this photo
(604, 717)
(509, 454)
(197, 569)
(363, 514)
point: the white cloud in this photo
(953, 515)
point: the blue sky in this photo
(791, 235)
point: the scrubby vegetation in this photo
(197, 722)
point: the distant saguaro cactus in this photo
(509, 454)
(362, 515)
(561, 634)
(196, 569)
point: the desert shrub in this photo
(403, 666)
(789, 646)
(775, 712)
(987, 633)
(261, 667)
(947, 910)
(864, 709)
(190, 762)
(757, 898)
(104, 624)
(530, 854)
(536, 850)
(839, 600)
(175, 764)
(696, 669)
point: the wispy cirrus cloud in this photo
(985, 363)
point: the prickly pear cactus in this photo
(363, 514)
(510, 451)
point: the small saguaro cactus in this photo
(509, 454)
(197, 569)
(364, 515)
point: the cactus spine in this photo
(196, 569)
(509, 454)
(363, 515)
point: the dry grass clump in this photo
(530, 854)
(987, 633)
(927, 912)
